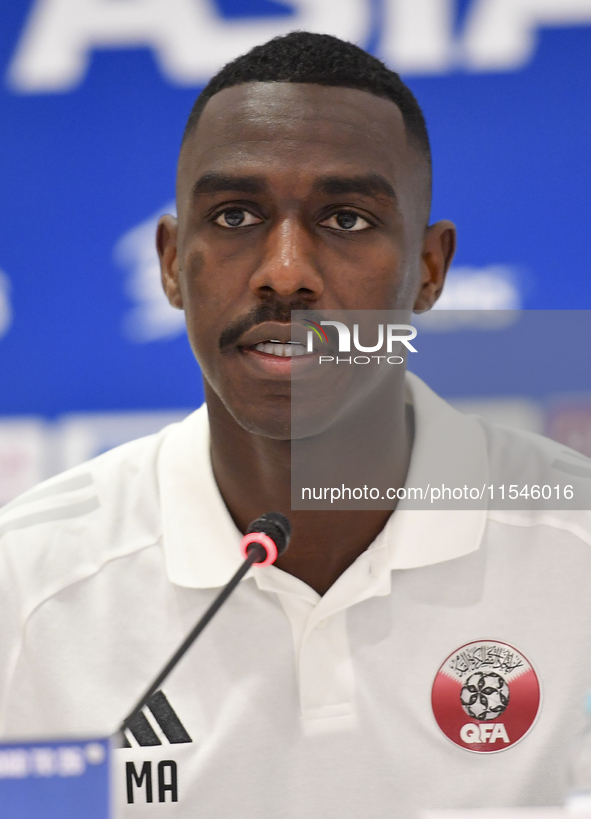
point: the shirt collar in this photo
(201, 541)
(449, 448)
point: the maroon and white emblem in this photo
(486, 696)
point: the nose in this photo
(288, 266)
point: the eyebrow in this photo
(212, 182)
(371, 184)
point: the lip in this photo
(272, 331)
(279, 367)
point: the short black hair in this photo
(303, 57)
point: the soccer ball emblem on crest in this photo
(484, 695)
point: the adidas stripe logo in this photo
(157, 712)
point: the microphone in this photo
(266, 538)
(269, 533)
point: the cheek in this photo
(198, 278)
(215, 272)
(204, 286)
(407, 285)
(212, 291)
(201, 299)
(399, 276)
(377, 281)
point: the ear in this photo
(438, 250)
(166, 245)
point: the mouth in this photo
(275, 349)
(287, 349)
(274, 338)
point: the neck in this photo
(253, 473)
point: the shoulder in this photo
(85, 488)
(545, 483)
(71, 526)
(529, 451)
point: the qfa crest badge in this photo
(486, 696)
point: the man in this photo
(373, 669)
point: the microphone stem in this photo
(256, 554)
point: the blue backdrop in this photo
(94, 99)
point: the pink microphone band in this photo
(266, 543)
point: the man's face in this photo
(293, 196)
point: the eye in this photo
(236, 217)
(346, 220)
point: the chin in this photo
(268, 421)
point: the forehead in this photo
(298, 130)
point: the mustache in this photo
(267, 311)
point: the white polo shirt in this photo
(291, 704)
